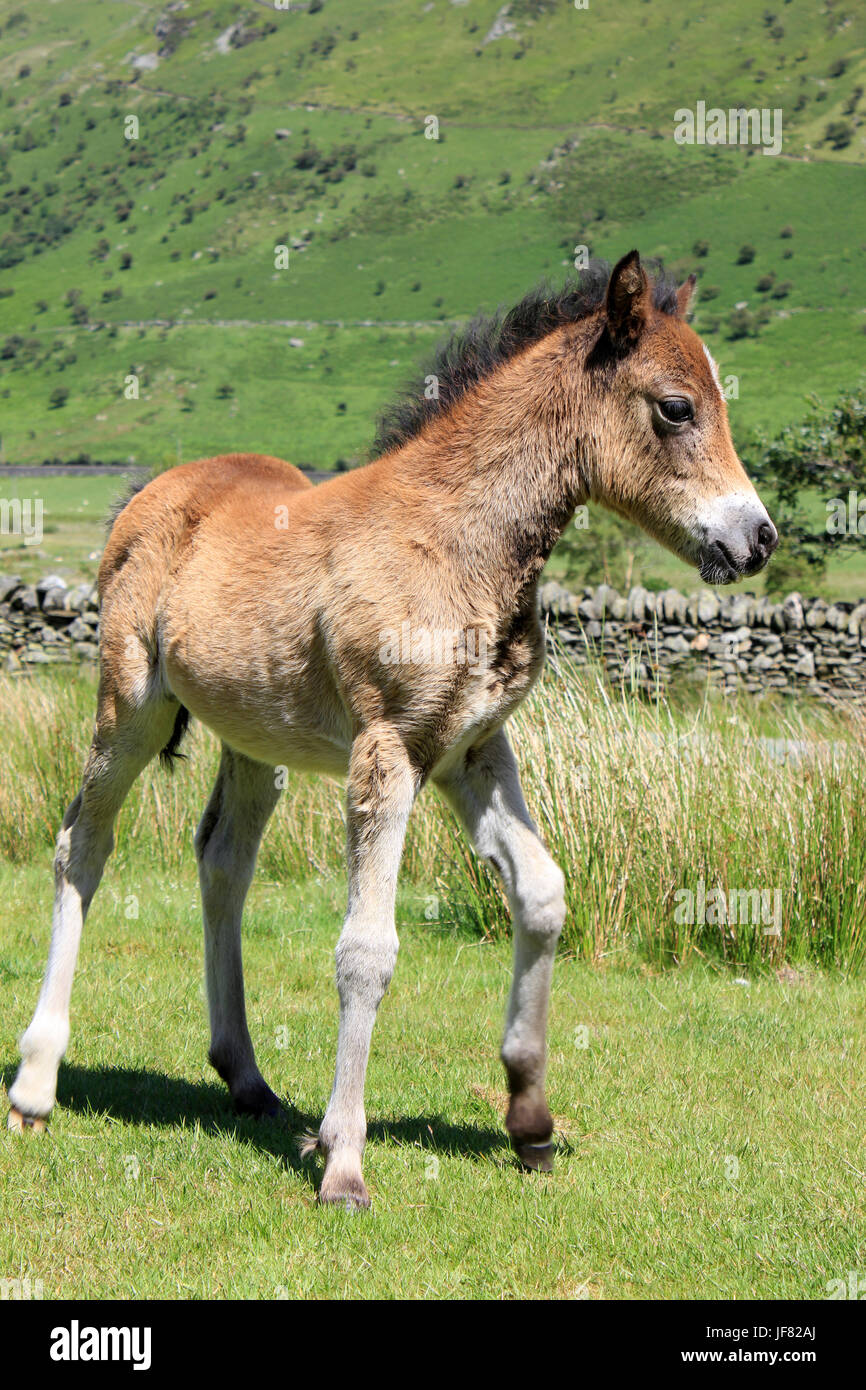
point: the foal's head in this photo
(662, 453)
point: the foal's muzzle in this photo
(738, 547)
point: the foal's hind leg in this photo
(226, 845)
(125, 740)
(487, 796)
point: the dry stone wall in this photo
(735, 640)
(48, 623)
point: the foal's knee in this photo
(365, 965)
(541, 904)
(84, 842)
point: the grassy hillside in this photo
(155, 255)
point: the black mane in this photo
(488, 341)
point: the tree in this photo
(58, 398)
(824, 456)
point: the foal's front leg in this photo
(485, 791)
(381, 791)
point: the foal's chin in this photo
(716, 565)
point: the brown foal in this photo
(234, 591)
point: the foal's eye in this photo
(676, 410)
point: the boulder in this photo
(25, 601)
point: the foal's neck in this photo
(501, 472)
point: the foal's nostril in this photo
(765, 542)
(768, 537)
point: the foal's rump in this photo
(207, 603)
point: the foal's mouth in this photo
(718, 566)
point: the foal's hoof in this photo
(538, 1157)
(346, 1192)
(259, 1101)
(23, 1124)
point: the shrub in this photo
(741, 324)
(838, 134)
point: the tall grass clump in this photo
(725, 828)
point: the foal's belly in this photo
(263, 700)
(267, 728)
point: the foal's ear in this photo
(685, 295)
(628, 300)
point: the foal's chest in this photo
(511, 667)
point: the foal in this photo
(233, 590)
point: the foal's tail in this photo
(169, 754)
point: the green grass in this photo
(74, 512)
(710, 1132)
(708, 1116)
(639, 803)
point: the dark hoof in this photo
(259, 1102)
(536, 1156)
(349, 1193)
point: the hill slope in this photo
(154, 256)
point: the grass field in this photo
(711, 1138)
(705, 1080)
(709, 1117)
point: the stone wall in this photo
(46, 623)
(741, 642)
(643, 639)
